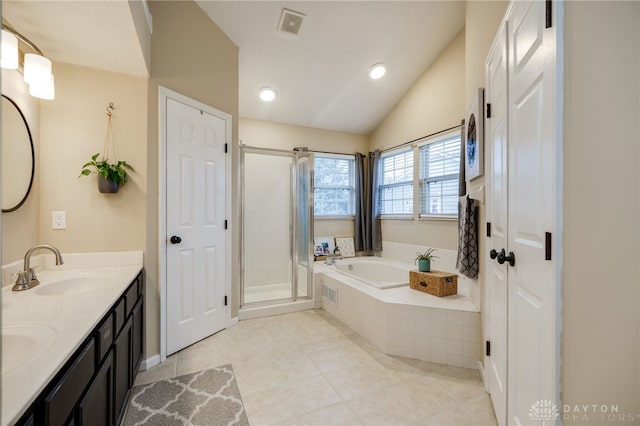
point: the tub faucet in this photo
(331, 260)
(27, 277)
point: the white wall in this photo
(600, 346)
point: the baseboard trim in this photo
(233, 321)
(150, 362)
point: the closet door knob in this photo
(175, 239)
(493, 254)
(510, 258)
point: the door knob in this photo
(175, 239)
(503, 257)
(493, 254)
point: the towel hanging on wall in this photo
(467, 262)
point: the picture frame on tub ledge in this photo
(474, 141)
(324, 246)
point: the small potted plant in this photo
(424, 259)
(110, 176)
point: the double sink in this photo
(43, 326)
(24, 342)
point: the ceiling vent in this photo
(290, 21)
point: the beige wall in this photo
(73, 128)
(481, 25)
(20, 227)
(600, 346)
(190, 55)
(265, 134)
(435, 102)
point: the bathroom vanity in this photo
(73, 344)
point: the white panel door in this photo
(496, 181)
(533, 337)
(195, 224)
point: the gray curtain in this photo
(368, 230)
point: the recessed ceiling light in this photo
(267, 94)
(377, 71)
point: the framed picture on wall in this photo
(474, 143)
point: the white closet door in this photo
(532, 336)
(496, 180)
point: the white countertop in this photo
(59, 323)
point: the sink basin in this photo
(22, 343)
(70, 286)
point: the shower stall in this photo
(276, 265)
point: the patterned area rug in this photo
(209, 397)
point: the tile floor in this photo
(308, 368)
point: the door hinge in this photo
(547, 246)
(487, 348)
(225, 301)
(226, 148)
(226, 224)
(488, 110)
(548, 16)
(488, 229)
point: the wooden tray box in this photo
(437, 283)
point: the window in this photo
(439, 167)
(396, 183)
(334, 189)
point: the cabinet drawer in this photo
(104, 337)
(120, 316)
(60, 402)
(132, 298)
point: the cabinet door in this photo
(137, 340)
(122, 368)
(96, 408)
(60, 402)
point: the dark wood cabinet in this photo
(122, 372)
(96, 407)
(137, 336)
(61, 400)
(92, 388)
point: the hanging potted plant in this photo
(111, 176)
(424, 259)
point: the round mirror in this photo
(18, 160)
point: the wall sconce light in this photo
(36, 68)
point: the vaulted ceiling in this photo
(320, 74)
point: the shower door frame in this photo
(295, 258)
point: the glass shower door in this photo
(277, 227)
(304, 225)
(267, 218)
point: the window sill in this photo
(438, 218)
(334, 217)
(396, 217)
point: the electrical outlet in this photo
(58, 220)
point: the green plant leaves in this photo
(114, 172)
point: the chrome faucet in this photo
(27, 277)
(332, 260)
